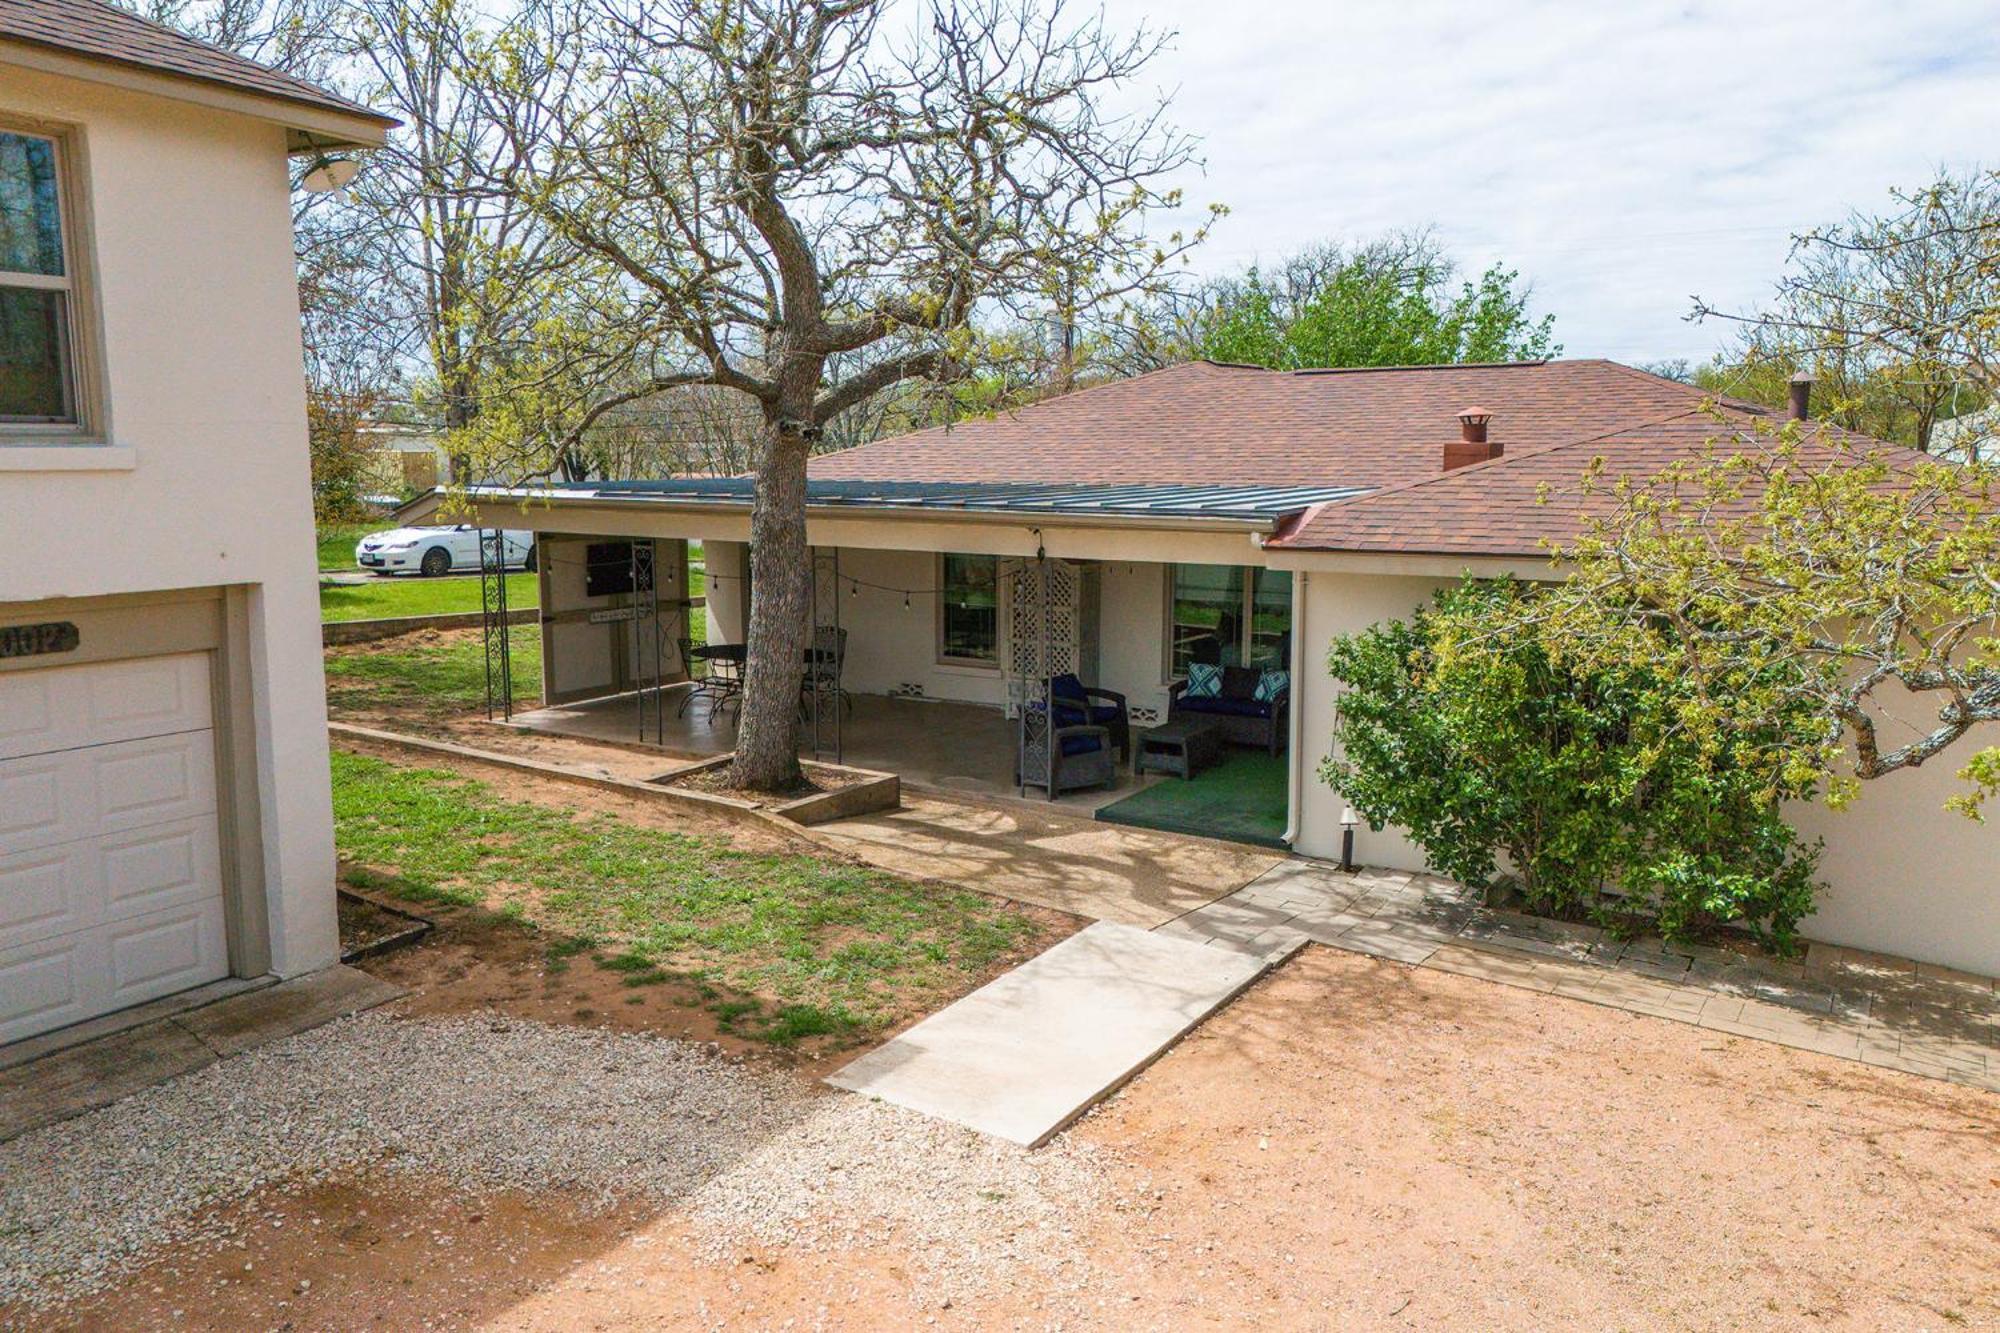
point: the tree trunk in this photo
(767, 734)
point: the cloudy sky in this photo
(1623, 154)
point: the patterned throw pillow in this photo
(1203, 681)
(1272, 684)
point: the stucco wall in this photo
(1131, 650)
(1904, 875)
(1334, 604)
(723, 563)
(189, 226)
(891, 645)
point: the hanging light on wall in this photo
(329, 174)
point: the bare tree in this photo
(812, 203)
(1897, 315)
(301, 37)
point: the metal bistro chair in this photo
(826, 659)
(721, 684)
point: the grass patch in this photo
(338, 540)
(438, 680)
(408, 595)
(802, 947)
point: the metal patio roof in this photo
(1253, 504)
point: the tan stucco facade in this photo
(197, 484)
(1904, 876)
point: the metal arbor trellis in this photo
(825, 661)
(646, 639)
(498, 647)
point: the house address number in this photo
(51, 636)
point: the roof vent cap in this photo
(1801, 395)
(1472, 424)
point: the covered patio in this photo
(936, 745)
(964, 629)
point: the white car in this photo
(435, 551)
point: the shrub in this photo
(1579, 788)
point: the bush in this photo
(1576, 787)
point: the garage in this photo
(112, 886)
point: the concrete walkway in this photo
(1027, 1053)
(1868, 1007)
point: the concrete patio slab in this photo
(1107, 872)
(100, 1069)
(1026, 1054)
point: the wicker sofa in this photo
(1244, 721)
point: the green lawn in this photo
(436, 680)
(781, 947)
(337, 540)
(408, 595)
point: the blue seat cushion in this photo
(1102, 714)
(1067, 687)
(1226, 707)
(1081, 744)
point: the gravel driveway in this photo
(506, 1104)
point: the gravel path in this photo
(505, 1104)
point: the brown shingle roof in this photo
(1207, 424)
(99, 31)
(1496, 508)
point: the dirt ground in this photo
(476, 961)
(1352, 1144)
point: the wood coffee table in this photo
(1183, 747)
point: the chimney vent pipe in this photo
(1471, 446)
(1801, 394)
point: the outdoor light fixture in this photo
(1348, 822)
(328, 174)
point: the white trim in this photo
(1419, 565)
(1295, 715)
(329, 128)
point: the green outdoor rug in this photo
(1241, 799)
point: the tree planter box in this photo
(846, 791)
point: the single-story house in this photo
(1202, 516)
(165, 820)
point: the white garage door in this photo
(110, 857)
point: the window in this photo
(39, 384)
(1228, 615)
(969, 609)
(1270, 624)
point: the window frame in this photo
(1246, 619)
(89, 425)
(943, 658)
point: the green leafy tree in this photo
(1505, 760)
(1392, 303)
(1796, 569)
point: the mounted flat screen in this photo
(607, 570)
